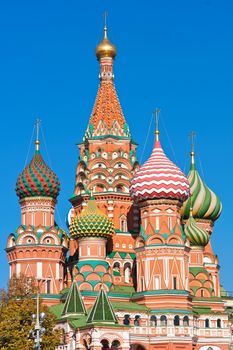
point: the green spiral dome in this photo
(91, 223)
(196, 235)
(205, 203)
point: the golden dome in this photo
(105, 48)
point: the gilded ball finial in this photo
(105, 47)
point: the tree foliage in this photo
(16, 308)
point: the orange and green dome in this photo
(205, 203)
(195, 234)
(91, 223)
(37, 179)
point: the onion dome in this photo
(159, 178)
(105, 48)
(37, 179)
(91, 223)
(205, 203)
(195, 234)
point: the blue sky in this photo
(176, 55)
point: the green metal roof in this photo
(196, 270)
(74, 304)
(102, 310)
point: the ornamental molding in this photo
(153, 202)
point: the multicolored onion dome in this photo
(159, 178)
(37, 179)
(196, 235)
(92, 222)
(205, 203)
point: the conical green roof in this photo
(74, 303)
(102, 310)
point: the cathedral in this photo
(135, 269)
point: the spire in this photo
(192, 153)
(37, 142)
(156, 114)
(74, 304)
(102, 310)
(107, 118)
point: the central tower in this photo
(106, 165)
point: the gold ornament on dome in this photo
(105, 48)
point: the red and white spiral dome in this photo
(159, 178)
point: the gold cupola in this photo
(105, 48)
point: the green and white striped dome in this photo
(205, 203)
(196, 235)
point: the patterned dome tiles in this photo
(37, 179)
(196, 235)
(159, 178)
(92, 222)
(205, 203)
(107, 108)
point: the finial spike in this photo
(156, 115)
(105, 24)
(192, 153)
(91, 193)
(37, 143)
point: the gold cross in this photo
(37, 123)
(192, 136)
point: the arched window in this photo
(119, 189)
(116, 269)
(218, 323)
(136, 320)
(153, 321)
(115, 345)
(207, 323)
(123, 224)
(105, 344)
(127, 272)
(126, 320)
(176, 320)
(163, 320)
(186, 321)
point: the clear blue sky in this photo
(173, 54)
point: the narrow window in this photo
(176, 320)
(163, 320)
(88, 251)
(153, 321)
(48, 286)
(156, 282)
(126, 320)
(207, 323)
(174, 283)
(186, 321)
(169, 223)
(142, 283)
(218, 323)
(157, 223)
(136, 320)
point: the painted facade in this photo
(136, 270)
